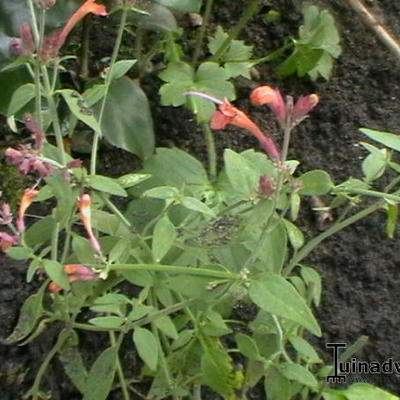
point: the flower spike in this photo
(27, 199)
(271, 97)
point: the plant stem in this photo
(372, 193)
(202, 31)
(35, 30)
(54, 241)
(313, 243)
(252, 9)
(175, 269)
(286, 142)
(120, 372)
(211, 152)
(54, 115)
(114, 56)
(38, 379)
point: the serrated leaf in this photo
(147, 347)
(101, 376)
(277, 296)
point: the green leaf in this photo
(120, 68)
(127, 121)
(110, 303)
(217, 369)
(313, 280)
(236, 51)
(83, 250)
(277, 296)
(166, 325)
(80, 109)
(366, 391)
(192, 6)
(147, 347)
(19, 252)
(247, 346)
(129, 180)
(164, 236)
(110, 322)
(56, 273)
(101, 375)
(74, 367)
(155, 18)
(209, 78)
(386, 138)
(243, 177)
(298, 373)
(196, 205)
(295, 235)
(316, 183)
(106, 184)
(21, 97)
(305, 349)
(163, 192)
(40, 232)
(30, 313)
(94, 94)
(277, 386)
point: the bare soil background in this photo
(360, 266)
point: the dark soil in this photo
(360, 266)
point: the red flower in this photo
(6, 241)
(228, 114)
(271, 97)
(84, 204)
(53, 43)
(27, 199)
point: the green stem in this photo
(313, 243)
(115, 210)
(252, 9)
(211, 152)
(372, 193)
(54, 115)
(107, 84)
(202, 31)
(281, 339)
(35, 29)
(286, 142)
(54, 241)
(120, 372)
(175, 269)
(39, 376)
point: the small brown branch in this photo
(380, 30)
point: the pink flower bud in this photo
(13, 156)
(54, 288)
(303, 106)
(33, 126)
(266, 187)
(24, 46)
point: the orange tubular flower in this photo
(228, 114)
(84, 204)
(27, 199)
(271, 97)
(78, 272)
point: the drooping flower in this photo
(54, 287)
(228, 114)
(271, 97)
(27, 199)
(84, 205)
(53, 43)
(78, 272)
(287, 115)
